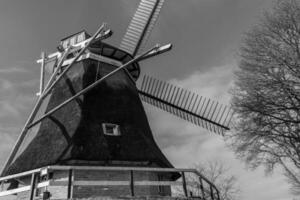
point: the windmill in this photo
(94, 118)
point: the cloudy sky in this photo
(206, 35)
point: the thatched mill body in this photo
(94, 139)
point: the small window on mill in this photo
(111, 129)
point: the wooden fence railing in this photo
(205, 189)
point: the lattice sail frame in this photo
(141, 25)
(187, 105)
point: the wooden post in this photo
(70, 183)
(184, 184)
(131, 183)
(42, 73)
(2, 185)
(211, 193)
(32, 186)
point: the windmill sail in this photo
(141, 26)
(187, 105)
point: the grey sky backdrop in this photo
(206, 35)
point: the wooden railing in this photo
(205, 189)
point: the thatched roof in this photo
(74, 136)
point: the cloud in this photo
(17, 94)
(5, 85)
(214, 83)
(129, 7)
(174, 133)
(16, 98)
(13, 70)
(6, 144)
(8, 108)
(185, 144)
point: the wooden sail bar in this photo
(187, 105)
(141, 26)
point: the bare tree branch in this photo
(266, 95)
(218, 173)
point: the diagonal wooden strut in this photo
(93, 85)
(53, 80)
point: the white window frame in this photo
(114, 127)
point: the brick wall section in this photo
(94, 191)
(135, 198)
(84, 175)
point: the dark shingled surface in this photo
(73, 135)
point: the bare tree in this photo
(266, 95)
(218, 173)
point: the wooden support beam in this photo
(32, 186)
(158, 183)
(22, 174)
(184, 184)
(1, 186)
(70, 183)
(14, 191)
(98, 183)
(131, 183)
(120, 183)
